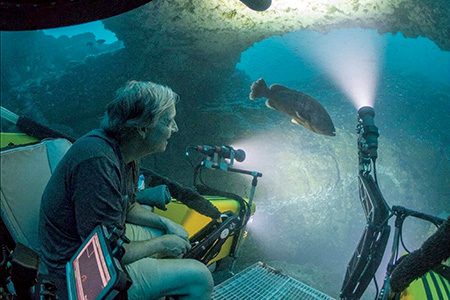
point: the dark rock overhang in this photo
(219, 28)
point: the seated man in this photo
(95, 183)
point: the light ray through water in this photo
(351, 58)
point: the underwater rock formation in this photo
(193, 46)
(219, 30)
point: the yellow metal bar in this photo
(14, 138)
(418, 291)
(193, 222)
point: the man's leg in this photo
(154, 278)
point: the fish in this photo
(303, 109)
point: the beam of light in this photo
(292, 171)
(295, 198)
(351, 58)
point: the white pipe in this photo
(9, 115)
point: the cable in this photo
(189, 161)
(195, 175)
(376, 287)
(403, 244)
(189, 158)
(396, 255)
(201, 178)
(375, 172)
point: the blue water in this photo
(96, 28)
(278, 59)
(412, 111)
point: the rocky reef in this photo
(218, 30)
(192, 46)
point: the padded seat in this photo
(25, 171)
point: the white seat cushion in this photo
(25, 172)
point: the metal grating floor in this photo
(260, 281)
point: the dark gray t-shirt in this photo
(90, 186)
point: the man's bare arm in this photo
(169, 245)
(136, 214)
(139, 215)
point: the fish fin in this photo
(299, 121)
(303, 120)
(278, 87)
(268, 105)
(258, 89)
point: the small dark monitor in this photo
(93, 273)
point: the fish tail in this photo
(258, 89)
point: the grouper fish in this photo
(303, 109)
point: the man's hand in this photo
(157, 196)
(172, 246)
(173, 228)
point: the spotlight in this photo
(258, 5)
(368, 143)
(222, 151)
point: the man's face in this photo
(158, 137)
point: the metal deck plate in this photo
(260, 281)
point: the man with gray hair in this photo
(95, 183)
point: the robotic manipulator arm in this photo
(368, 137)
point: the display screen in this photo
(90, 270)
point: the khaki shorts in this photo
(154, 278)
(145, 272)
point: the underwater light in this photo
(221, 151)
(370, 134)
(258, 5)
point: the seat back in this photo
(25, 172)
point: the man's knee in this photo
(199, 275)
